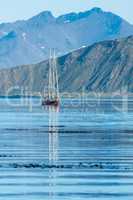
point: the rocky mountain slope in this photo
(103, 67)
(26, 42)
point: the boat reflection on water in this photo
(53, 135)
(53, 150)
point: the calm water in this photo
(66, 154)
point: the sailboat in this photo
(52, 98)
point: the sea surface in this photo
(80, 151)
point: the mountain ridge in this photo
(104, 67)
(37, 35)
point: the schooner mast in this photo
(53, 97)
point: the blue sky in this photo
(11, 10)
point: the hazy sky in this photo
(11, 10)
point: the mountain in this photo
(102, 67)
(29, 41)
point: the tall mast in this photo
(49, 74)
(53, 78)
(56, 77)
(53, 87)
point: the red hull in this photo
(50, 103)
